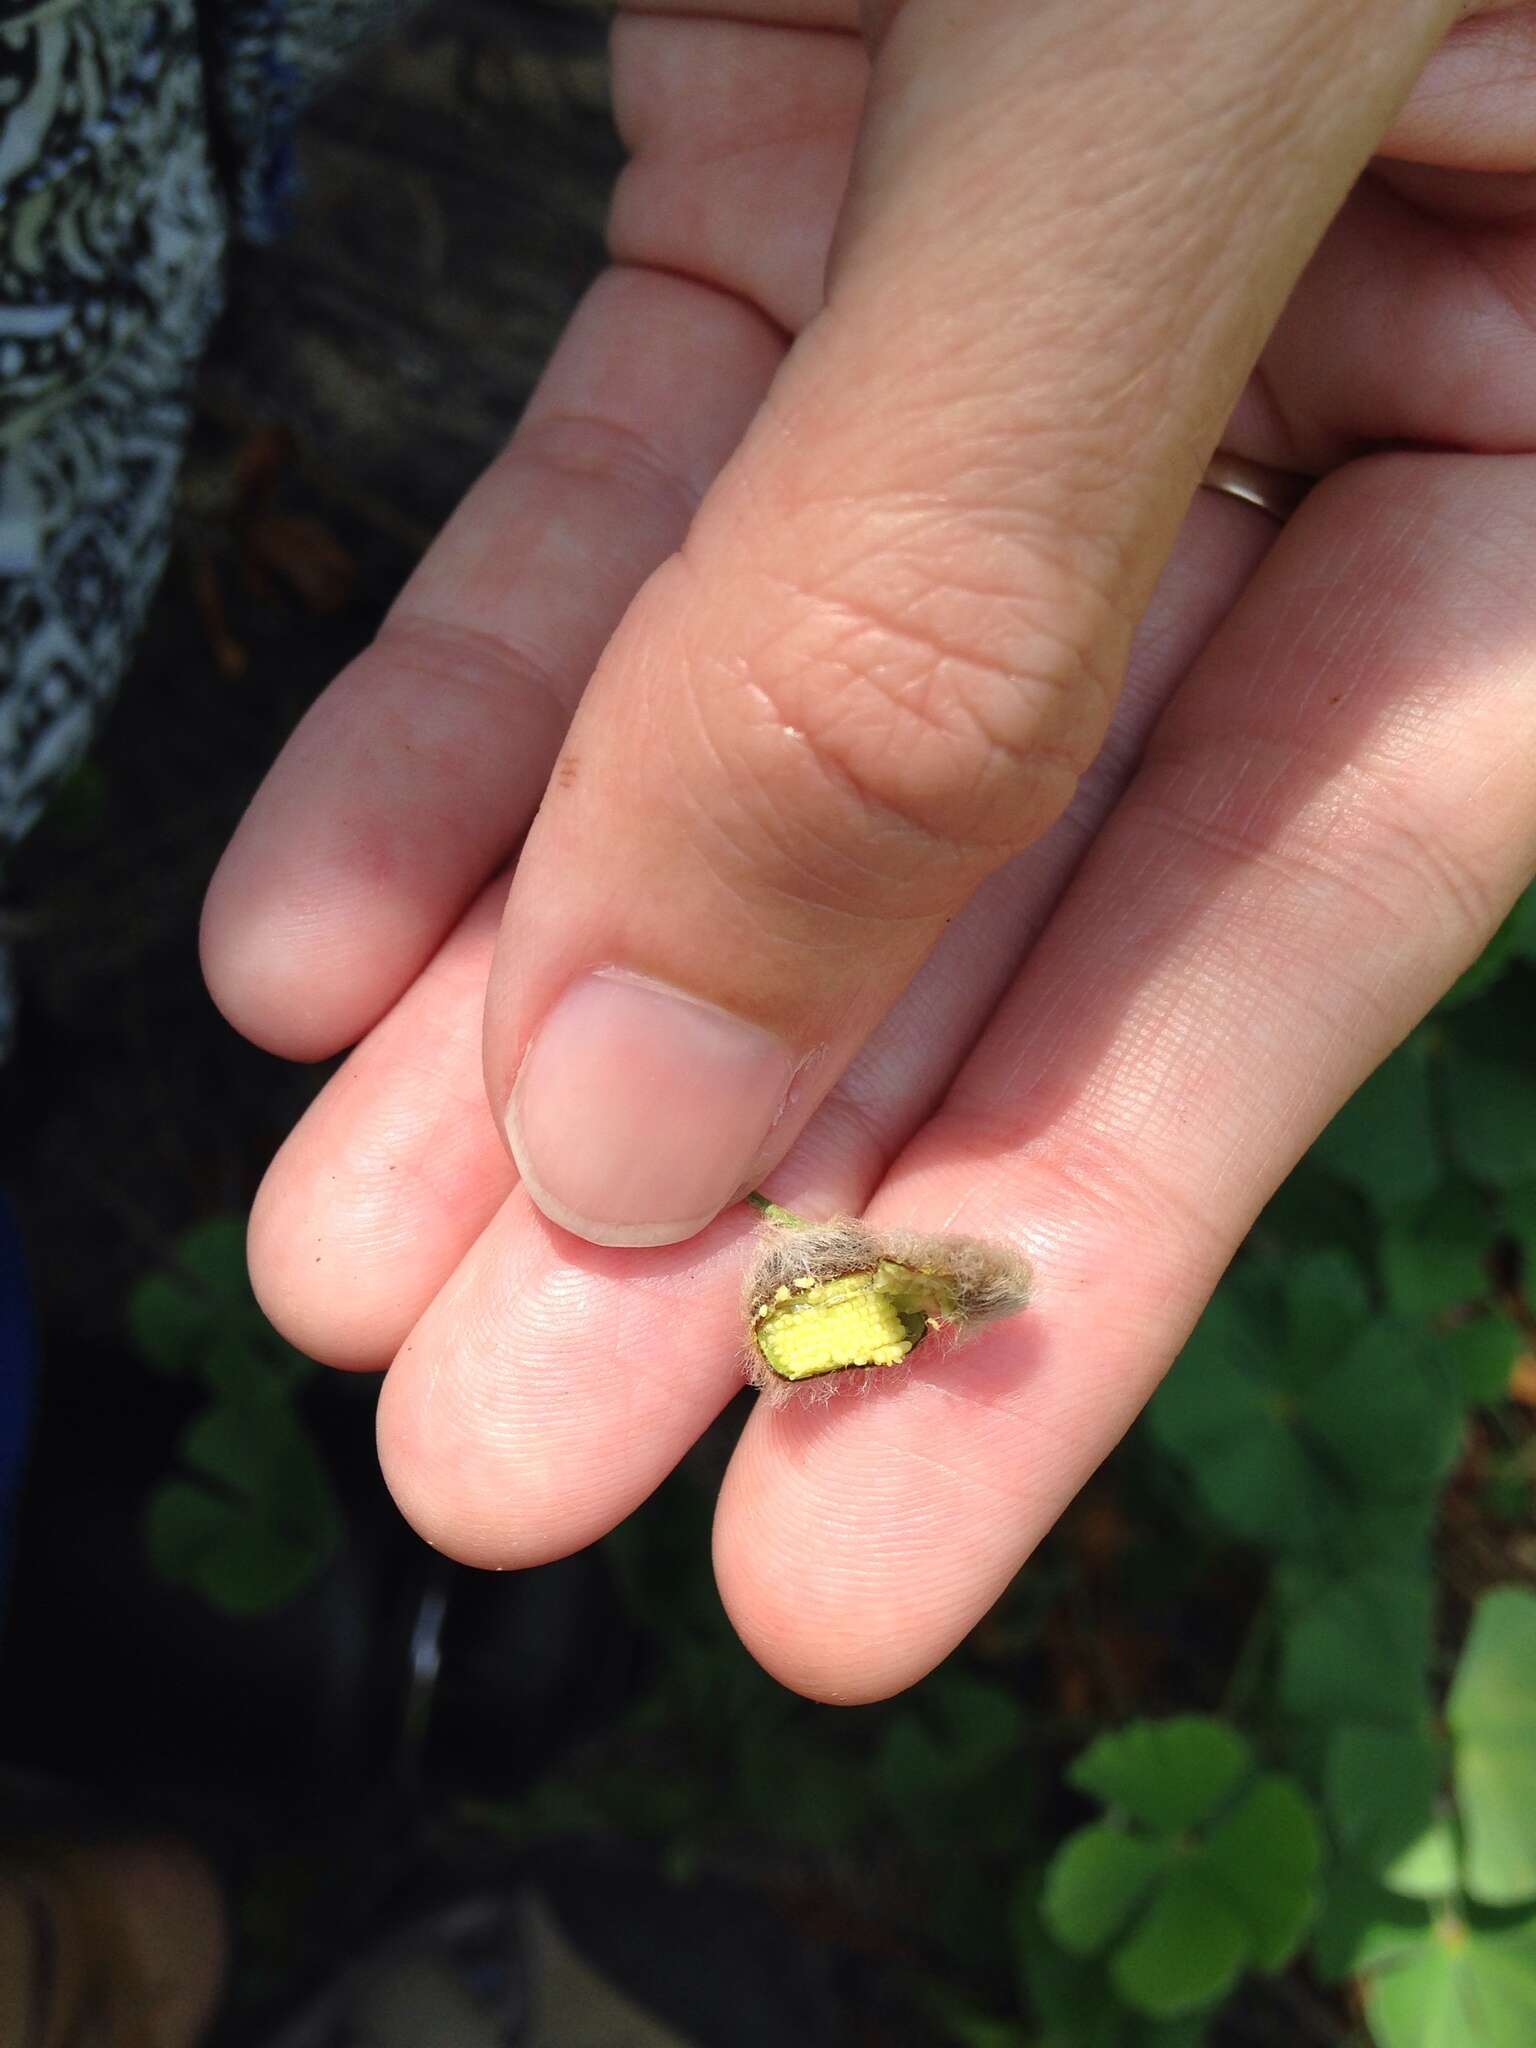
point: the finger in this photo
(549, 1386)
(894, 637)
(1473, 108)
(1328, 825)
(412, 778)
(1455, 293)
(716, 115)
(392, 1171)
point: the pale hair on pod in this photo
(963, 1283)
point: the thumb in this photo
(894, 636)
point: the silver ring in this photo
(1275, 491)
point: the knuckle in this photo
(924, 710)
(588, 449)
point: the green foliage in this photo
(1491, 1104)
(1072, 1998)
(1382, 1788)
(1411, 1909)
(1304, 1424)
(1455, 1985)
(1383, 1142)
(1356, 1647)
(1492, 1717)
(1201, 1870)
(251, 1518)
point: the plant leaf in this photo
(1363, 1924)
(1391, 1415)
(1482, 1355)
(1383, 1141)
(1304, 1431)
(1074, 2001)
(1262, 1860)
(1358, 1650)
(1492, 1109)
(234, 1561)
(167, 1324)
(1169, 1775)
(1327, 1306)
(1186, 1953)
(1096, 1881)
(1492, 1715)
(1435, 1255)
(1381, 1786)
(1463, 1987)
(255, 1520)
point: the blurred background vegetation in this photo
(1246, 1755)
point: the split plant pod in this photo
(824, 1299)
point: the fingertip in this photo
(488, 1498)
(305, 1284)
(812, 1582)
(853, 1656)
(256, 962)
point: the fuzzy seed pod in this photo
(826, 1298)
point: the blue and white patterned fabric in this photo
(135, 137)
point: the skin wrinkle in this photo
(805, 714)
(895, 621)
(645, 218)
(787, 831)
(794, 129)
(591, 448)
(832, 890)
(1309, 863)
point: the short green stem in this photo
(784, 1217)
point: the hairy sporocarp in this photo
(826, 1298)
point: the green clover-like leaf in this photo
(1362, 1925)
(1483, 1354)
(1187, 1952)
(1096, 1882)
(254, 1520)
(1356, 1648)
(1200, 1872)
(1458, 1986)
(1492, 1715)
(1382, 1788)
(200, 1316)
(1435, 1255)
(1263, 1858)
(1491, 1106)
(1074, 1999)
(1383, 1141)
(1168, 1775)
(1306, 1426)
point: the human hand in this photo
(1070, 842)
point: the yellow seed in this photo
(832, 1325)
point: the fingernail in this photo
(638, 1109)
